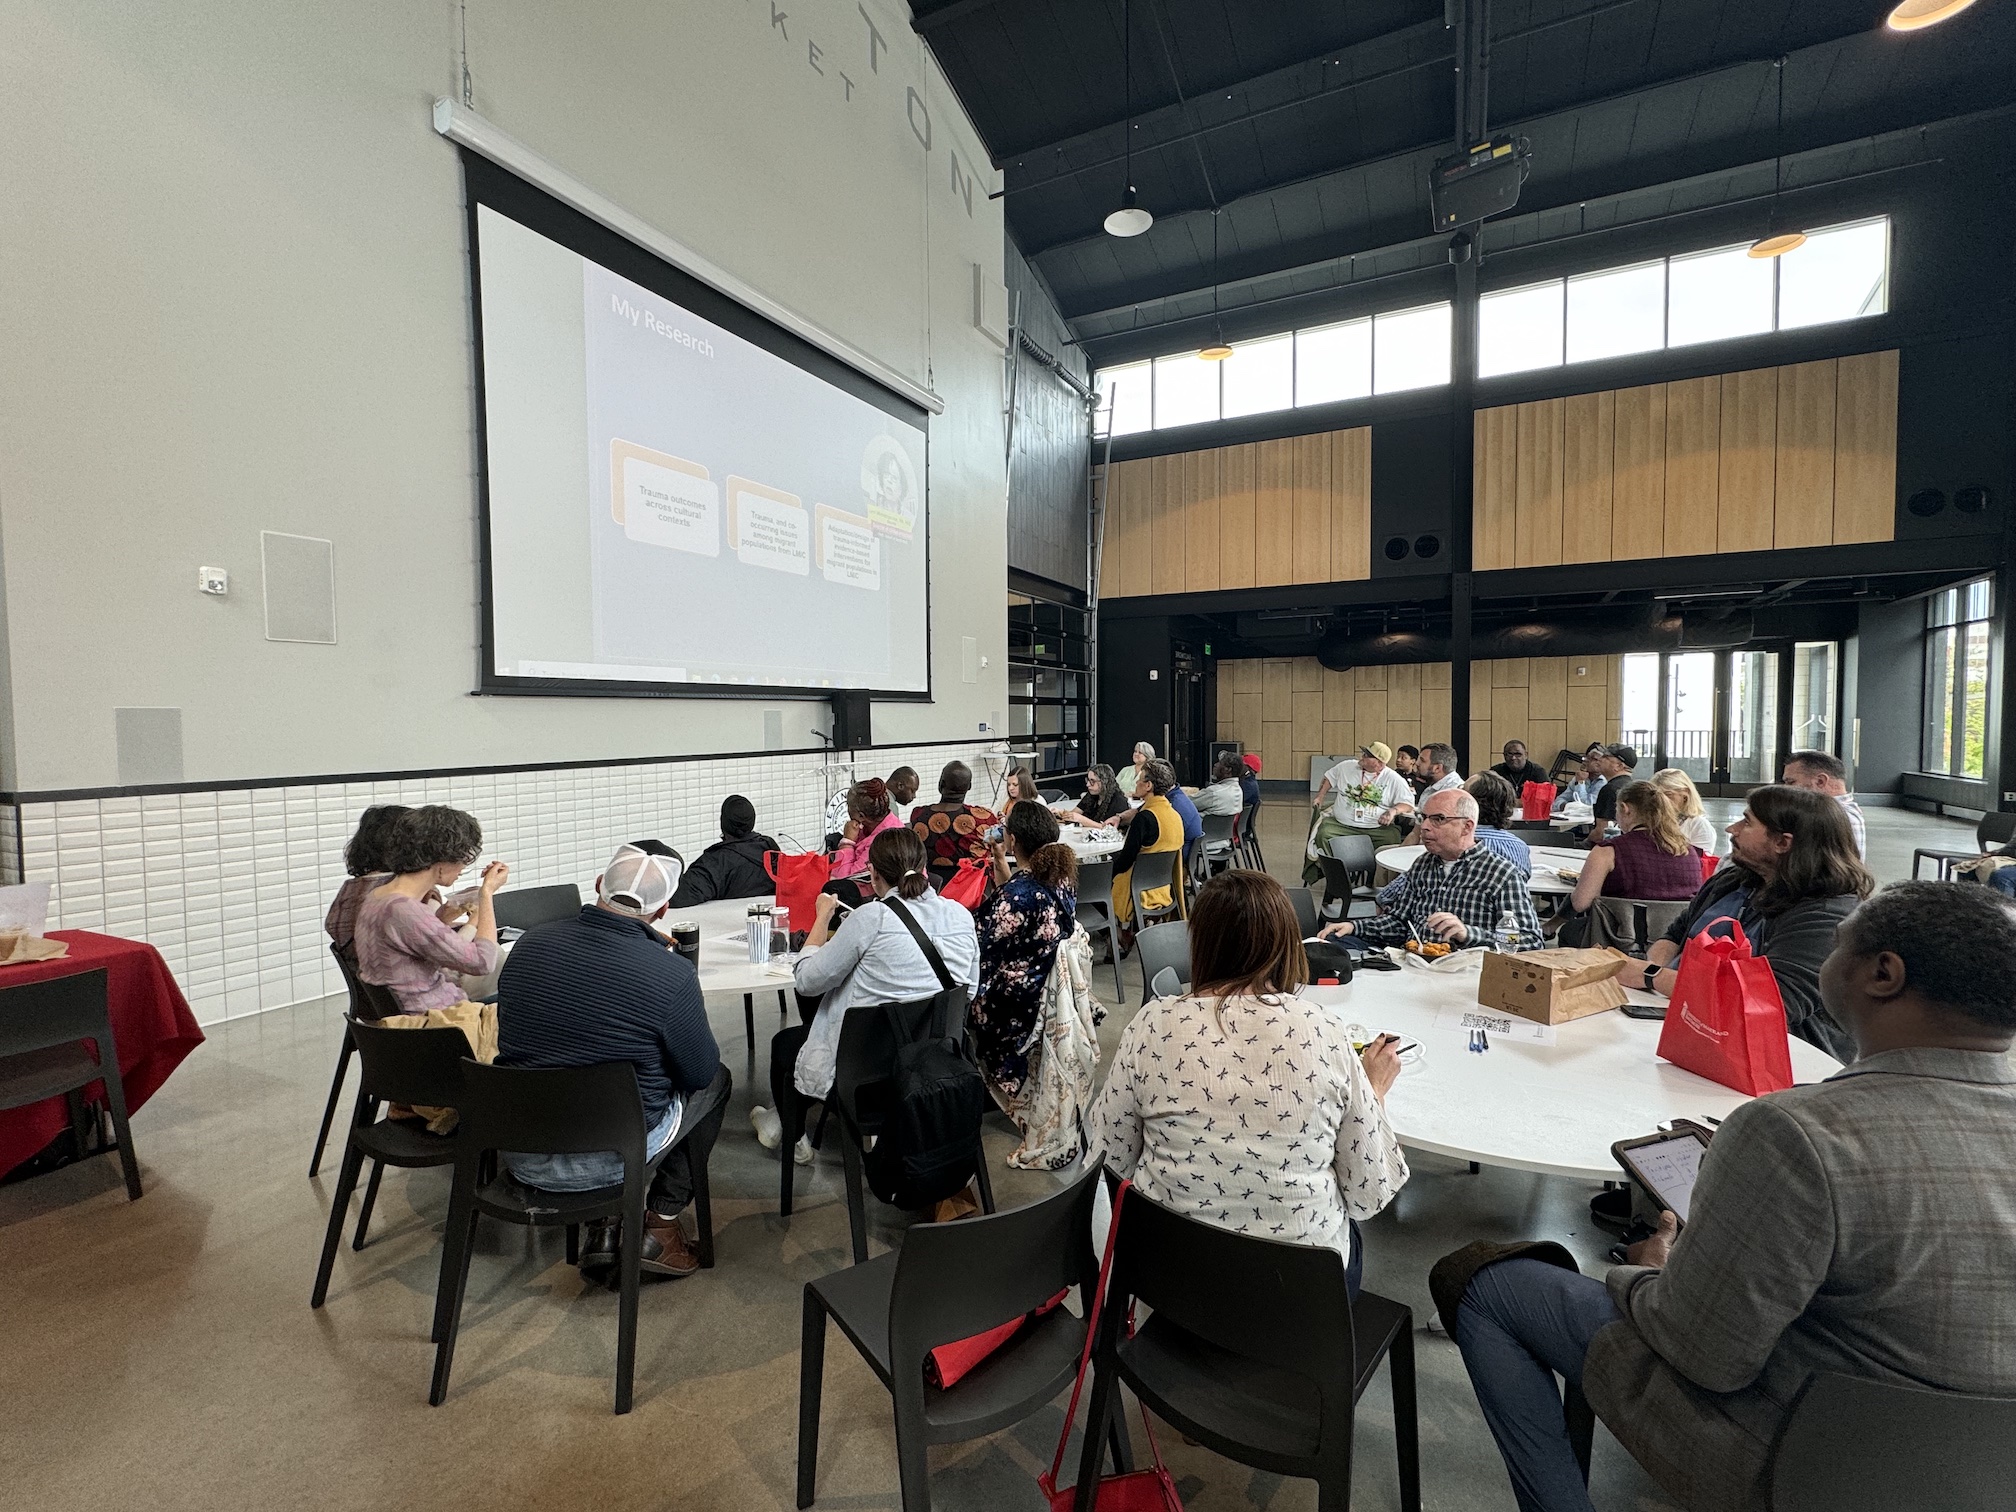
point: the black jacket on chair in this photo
(727, 869)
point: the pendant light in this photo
(1776, 243)
(1916, 15)
(1130, 219)
(1217, 351)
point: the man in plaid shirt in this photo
(1457, 892)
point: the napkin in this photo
(17, 945)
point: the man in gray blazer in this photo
(1863, 1226)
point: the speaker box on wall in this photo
(300, 581)
(851, 724)
(1410, 496)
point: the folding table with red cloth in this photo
(151, 1024)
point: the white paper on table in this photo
(1461, 1020)
(25, 907)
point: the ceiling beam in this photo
(945, 15)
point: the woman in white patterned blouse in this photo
(1243, 1105)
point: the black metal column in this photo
(1471, 20)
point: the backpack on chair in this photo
(928, 1147)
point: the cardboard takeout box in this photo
(1552, 986)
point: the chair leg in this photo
(335, 1093)
(626, 1315)
(1118, 1446)
(1581, 1426)
(129, 1162)
(339, 1208)
(791, 1113)
(811, 1385)
(1101, 1418)
(985, 1182)
(857, 1206)
(783, 1005)
(370, 1201)
(573, 1244)
(458, 1244)
(703, 1207)
(913, 1469)
(1406, 1419)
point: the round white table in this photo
(1549, 861)
(724, 960)
(1092, 845)
(1555, 1109)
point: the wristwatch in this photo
(1651, 972)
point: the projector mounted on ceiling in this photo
(1473, 186)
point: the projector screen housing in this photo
(679, 497)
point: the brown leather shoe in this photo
(666, 1252)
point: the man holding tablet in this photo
(1861, 1226)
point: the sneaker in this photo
(803, 1152)
(768, 1126)
(666, 1252)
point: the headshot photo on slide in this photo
(889, 479)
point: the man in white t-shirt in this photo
(1369, 796)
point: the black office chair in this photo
(1855, 1445)
(1995, 830)
(1165, 947)
(367, 1002)
(1254, 1350)
(563, 1111)
(529, 907)
(1095, 912)
(417, 1067)
(864, 1063)
(950, 1281)
(42, 1026)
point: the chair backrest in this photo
(1165, 984)
(557, 1110)
(1165, 947)
(1095, 882)
(1355, 851)
(57, 1011)
(1218, 827)
(1281, 1304)
(1153, 869)
(866, 1055)
(1996, 829)
(368, 1001)
(1051, 795)
(1305, 910)
(954, 1280)
(1856, 1445)
(413, 1066)
(528, 907)
(1631, 923)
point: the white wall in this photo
(238, 300)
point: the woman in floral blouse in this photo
(951, 829)
(1021, 924)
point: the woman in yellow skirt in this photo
(1156, 827)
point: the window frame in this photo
(1957, 619)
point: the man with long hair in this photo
(1792, 877)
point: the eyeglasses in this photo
(1444, 819)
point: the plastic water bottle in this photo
(1508, 932)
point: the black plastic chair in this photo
(950, 1281)
(1052, 795)
(1856, 1445)
(1996, 829)
(1255, 1350)
(749, 1020)
(1249, 836)
(1630, 924)
(1165, 947)
(1217, 850)
(1095, 912)
(420, 1067)
(1347, 873)
(42, 1055)
(1305, 910)
(368, 1002)
(529, 907)
(864, 1061)
(564, 1111)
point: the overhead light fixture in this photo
(1916, 15)
(1776, 243)
(1130, 219)
(1217, 350)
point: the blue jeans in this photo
(1522, 1323)
(599, 1168)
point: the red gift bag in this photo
(798, 879)
(1727, 1020)
(1709, 862)
(1536, 802)
(968, 885)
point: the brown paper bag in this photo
(18, 946)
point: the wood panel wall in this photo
(1802, 455)
(1290, 709)
(1259, 515)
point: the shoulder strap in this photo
(923, 940)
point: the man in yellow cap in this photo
(1364, 797)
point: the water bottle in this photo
(1508, 932)
(780, 932)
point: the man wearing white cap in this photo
(605, 986)
(1370, 795)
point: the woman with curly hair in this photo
(364, 860)
(869, 814)
(1024, 919)
(402, 943)
(952, 829)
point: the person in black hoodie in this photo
(732, 867)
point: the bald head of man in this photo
(1449, 824)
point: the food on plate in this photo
(1429, 949)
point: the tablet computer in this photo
(1665, 1166)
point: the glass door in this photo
(1813, 682)
(1753, 718)
(1689, 742)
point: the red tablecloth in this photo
(151, 1023)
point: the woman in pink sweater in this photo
(868, 815)
(402, 943)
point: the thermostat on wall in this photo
(213, 580)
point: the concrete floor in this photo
(163, 1354)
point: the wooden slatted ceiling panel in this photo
(1865, 448)
(1351, 504)
(1494, 485)
(1537, 493)
(1273, 513)
(1638, 486)
(1587, 467)
(1748, 475)
(1806, 399)
(1693, 465)
(1235, 517)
